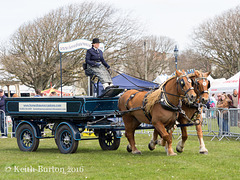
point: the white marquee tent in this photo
(220, 86)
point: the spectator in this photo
(234, 113)
(235, 98)
(230, 102)
(219, 97)
(213, 104)
(13, 122)
(224, 103)
(38, 93)
(2, 116)
(213, 101)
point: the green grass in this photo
(222, 162)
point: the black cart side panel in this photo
(58, 108)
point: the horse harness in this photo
(148, 115)
(163, 100)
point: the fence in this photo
(223, 123)
(217, 123)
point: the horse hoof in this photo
(129, 149)
(204, 152)
(136, 152)
(178, 150)
(172, 154)
(150, 147)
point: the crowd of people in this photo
(222, 102)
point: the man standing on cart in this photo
(98, 66)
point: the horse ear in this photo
(197, 73)
(208, 73)
(178, 73)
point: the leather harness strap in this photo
(148, 115)
(130, 98)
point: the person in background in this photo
(213, 104)
(224, 103)
(219, 97)
(213, 101)
(13, 122)
(38, 93)
(235, 98)
(234, 113)
(2, 114)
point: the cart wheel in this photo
(108, 140)
(65, 141)
(26, 139)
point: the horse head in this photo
(186, 89)
(201, 86)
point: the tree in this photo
(33, 56)
(189, 59)
(149, 55)
(218, 41)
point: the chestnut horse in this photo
(201, 86)
(144, 107)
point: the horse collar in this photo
(165, 102)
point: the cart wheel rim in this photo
(26, 138)
(66, 140)
(109, 139)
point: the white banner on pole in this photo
(77, 44)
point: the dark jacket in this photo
(2, 102)
(94, 57)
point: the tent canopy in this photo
(125, 81)
(225, 86)
(47, 92)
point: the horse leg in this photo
(203, 149)
(167, 137)
(130, 125)
(181, 143)
(153, 142)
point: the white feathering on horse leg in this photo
(180, 146)
(152, 144)
(203, 149)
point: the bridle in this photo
(196, 83)
(181, 83)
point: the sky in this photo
(175, 19)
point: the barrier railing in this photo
(217, 123)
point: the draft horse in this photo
(159, 108)
(192, 113)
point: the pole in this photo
(145, 64)
(176, 61)
(61, 71)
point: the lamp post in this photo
(176, 54)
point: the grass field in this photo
(90, 162)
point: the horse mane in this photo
(191, 75)
(155, 96)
